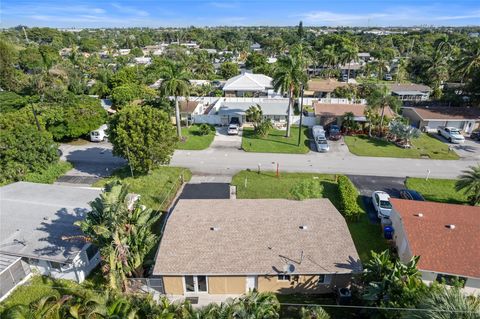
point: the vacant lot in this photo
(157, 189)
(276, 142)
(423, 147)
(367, 236)
(437, 190)
(192, 140)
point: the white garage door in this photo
(456, 124)
(435, 124)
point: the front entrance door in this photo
(196, 284)
(251, 283)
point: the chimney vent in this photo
(214, 228)
(450, 226)
(303, 227)
(419, 215)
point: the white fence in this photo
(217, 120)
(311, 100)
(306, 121)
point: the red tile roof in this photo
(441, 249)
(447, 113)
(334, 110)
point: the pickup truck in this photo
(452, 134)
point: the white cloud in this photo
(129, 9)
(224, 4)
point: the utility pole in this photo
(25, 33)
(301, 118)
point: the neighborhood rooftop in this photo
(446, 113)
(442, 248)
(34, 218)
(409, 87)
(269, 107)
(231, 237)
(248, 82)
(358, 110)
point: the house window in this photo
(451, 280)
(324, 279)
(276, 118)
(91, 252)
(283, 278)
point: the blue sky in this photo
(150, 13)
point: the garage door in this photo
(435, 124)
(456, 124)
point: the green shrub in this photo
(309, 188)
(204, 129)
(49, 175)
(348, 196)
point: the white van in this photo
(99, 134)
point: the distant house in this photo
(353, 67)
(229, 247)
(123, 51)
(334, 113)
(248, 84)
(411, 92)
(37, 233)
(256, 47)
(364, 56)
(445, 236)
(143, 60)
(465, 119)
(322, 88)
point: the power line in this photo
(294, 304)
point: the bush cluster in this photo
(307, 189)
(348, 196)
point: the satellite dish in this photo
(288, 268)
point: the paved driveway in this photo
(368, 184)
(224, 141)
(468, 150)
(90, 160)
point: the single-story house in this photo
(274, 109)
(322, 88)
(333, 113)
(187, 109)
(462, 118)
(353, 67)
(364, 56)
(445, 236)
(410, 92)
(226, 246)
(37, 233)
(256, 47)
(248, 84)
(143, 60)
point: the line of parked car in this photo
(382, 205)
(320, 136)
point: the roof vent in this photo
(214, 228)
(45, 218)
(450, 226)
(419, 215)
(303, 227)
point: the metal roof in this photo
(6, 261)
(279, 107)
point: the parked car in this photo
(232, 129)
(334, 132)
(100, 134)
(322, 144)
(235, 120)
(318, 130)
(452, 134)
(344, 78)
(381, 202)
(411, 195)
(388, 77)
(475, 135)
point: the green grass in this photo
(437, 190)
(366, 236)
(195, 141)
(42, 286)
(423, 147)
(49, 175)
(276, 142)
(157, 189)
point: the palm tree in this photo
(469, 183)
(447, 303)
(437, 67)
(287, 78)
(381, 99)
(329, 58)
(254, 114)
(175, 83)
(313, 313)
(49, 307)
(469, 60)
(348, 54)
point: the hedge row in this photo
(348, 197)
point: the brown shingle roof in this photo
(324, 85)
(334, 110)
(452, 251)
(447, 113)
(187, 106)
(255, 236)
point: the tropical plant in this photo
(349, 122)
(175, 83)
(122, 229)
(469, 183)
(349, 54)
(380, 100)
(403, 131)
(438, 68)
(204, 129)
(313, 313)
(447, 303)
(142, 135)
(287, 78)
(49, 307)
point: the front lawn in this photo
(437, 190)
(192, 140)
(423, 147)
(366, 236)
(157, 189)
(276, 142)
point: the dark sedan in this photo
(411, 195)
